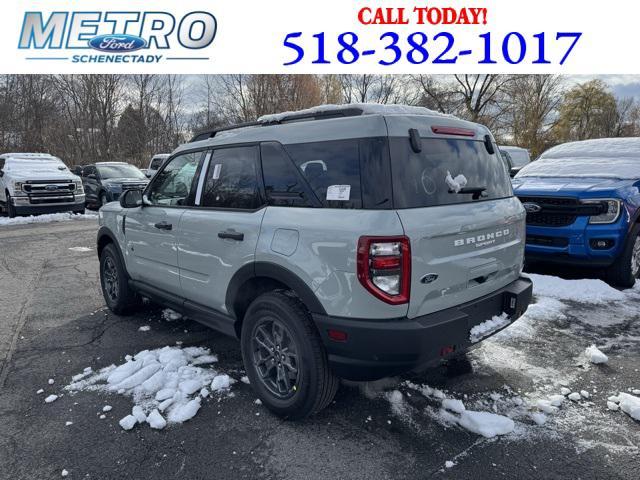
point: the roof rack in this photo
(279, 119)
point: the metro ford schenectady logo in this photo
(116, 37)
(117, 43)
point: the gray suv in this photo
(352, 242)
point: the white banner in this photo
(331, 36)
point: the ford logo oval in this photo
(117, 43)
(532, 207)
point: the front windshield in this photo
(120, 171)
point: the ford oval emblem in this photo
(429, 277)
(532, 207)
(117, 43)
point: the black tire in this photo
(11, 209)
(458, 365)
(118, 295)
(626, 268)
(314, 385)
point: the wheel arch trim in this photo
(275, 272)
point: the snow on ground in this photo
(542, 356)
(594, 355)
(167, 385)
(80, 249)
(586, 291)
(629, 404)
(170, 315)
(48, 218)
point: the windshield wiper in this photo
(475, 191)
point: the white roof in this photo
(599, 148)
(617, 158)
(367, 109)
(29, 156)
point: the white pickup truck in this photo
(35, 183)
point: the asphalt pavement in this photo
(53, 324)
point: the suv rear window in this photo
(419, 179)
(332, 170)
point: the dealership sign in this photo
(113, 37)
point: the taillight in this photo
(384, 267)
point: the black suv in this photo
(104, 182)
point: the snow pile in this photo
(486, 424)
(166, 384)
(453, 412)
(80, 249)
(47, 218)
(617, 158)
(367, 109)
(488, 327)
(594, 355)
(455, 184)
(626, 402)
(170, 315)
(582, 291)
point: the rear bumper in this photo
(380, 348)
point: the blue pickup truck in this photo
(583, 207)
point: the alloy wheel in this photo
(275, 357)
(110, 279)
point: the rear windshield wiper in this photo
(475, 191)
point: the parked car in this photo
(355, 242)
(76, 170)
(104, 182)
(518, 157)
(155, 163)
(582, 201)
(35, 183)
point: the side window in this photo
(332, 169)
(281, 180)
(232, 179)
(172, 185)
(156, 163)
(88, 171)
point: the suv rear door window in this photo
(332, 169)
(232, 179)
(420, 179)
(282, 183)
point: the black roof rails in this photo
(293, 117)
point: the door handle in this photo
(163, 226)
(231, 234)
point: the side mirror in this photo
(131, 199)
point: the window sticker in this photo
(216, 171)
(339, 192)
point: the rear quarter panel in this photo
(319, 246)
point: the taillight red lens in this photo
(384, 267)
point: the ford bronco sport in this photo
(352, 242)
